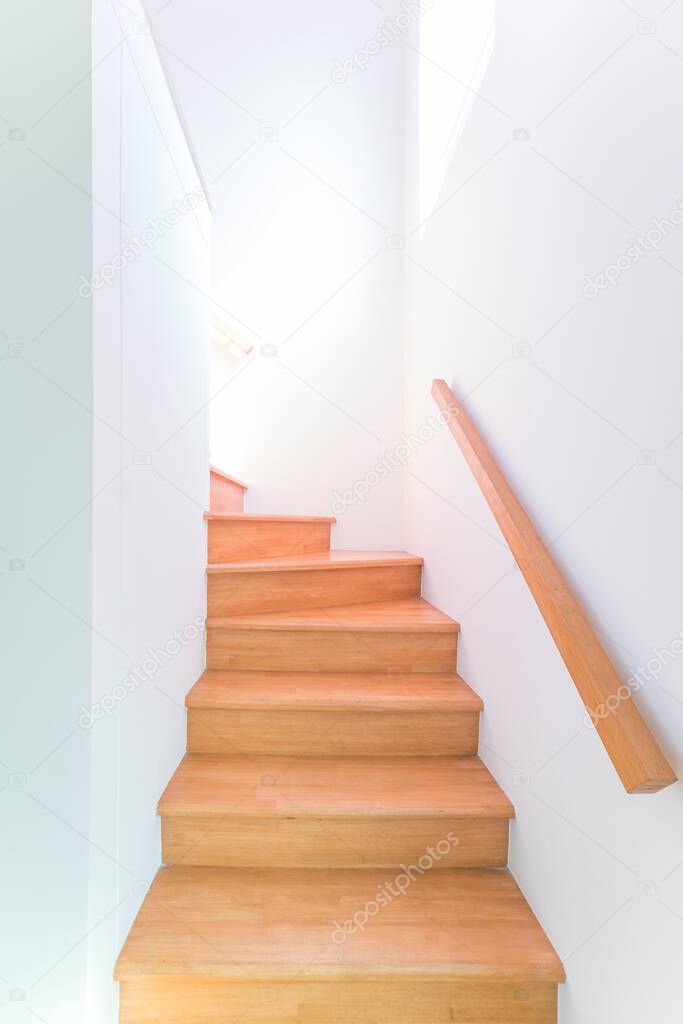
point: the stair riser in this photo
(334, 650)
(242, 593)
(173, 999)
(231, 841)
(227, 497)
(334, 732)
(246, 540)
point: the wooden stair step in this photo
(331, 691)
(383, 997)
(332, 713)
(227, 494)
(314, 580)
(332, 811)
(387, 787)
(457, 923)
(238, 537)
(446, 946)
(407, 635)
(335, 559)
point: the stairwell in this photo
(334, 849)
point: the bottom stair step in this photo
(367, 999)
(211, 945)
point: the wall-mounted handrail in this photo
(635, 753)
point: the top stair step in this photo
(227, 493)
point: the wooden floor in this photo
(335, 849)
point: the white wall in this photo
(568, 391)
(305, 181)
(151, 473)
(45, 517)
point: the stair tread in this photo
(255, 517)
(318, 560)
(404, 614)
(329, 691)
(367, 786)
(465, 923)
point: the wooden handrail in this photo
(635, 753)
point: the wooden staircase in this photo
(335, 849)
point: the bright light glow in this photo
(456, 39)
(226, 338)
